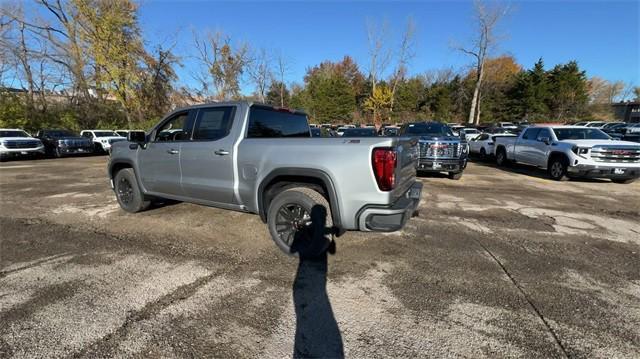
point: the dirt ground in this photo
(503, 263)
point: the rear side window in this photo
(266, 122)
(213, 123)
(530, 134)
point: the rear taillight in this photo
(384, 165)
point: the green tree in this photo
(331, 98)
(569, 87)
(112, 32)
(409, 98)
(531, 94)
(273, 94)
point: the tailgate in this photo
(407, 150)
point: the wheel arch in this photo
(118, 165)
(557, 154)
(283, 178)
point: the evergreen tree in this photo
(568, 85)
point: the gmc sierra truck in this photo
(439, 149)
(572, 151)
(260, 159)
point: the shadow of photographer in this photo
(317, 332)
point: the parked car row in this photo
(56, 142)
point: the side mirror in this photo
(546, 140)
(139, 137)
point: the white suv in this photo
(102, 139)
(15, 142)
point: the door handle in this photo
(221, 152)
(173, 151)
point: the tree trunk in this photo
(475, 100)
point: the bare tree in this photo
(487, 19)
(259, 70)
(282, 70)
(405, 54)
(223, 64)
(379, 53)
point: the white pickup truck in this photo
(572, 151)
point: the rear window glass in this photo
(213, 123)
(269, 123)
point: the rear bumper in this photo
(442, 165)
(392, 217)
(608, 171)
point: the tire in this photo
(483, 153)
(557, 169)
(298, 219)
(623, 181)
(128, 194)
(455, 175)
(3, 158)
(57, 153)
(501, 157)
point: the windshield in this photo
(105, 133)
(434, 129)
(13, 133)
(580, 134)
(59, 133)
(595, 124)
(359, 132)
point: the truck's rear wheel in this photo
(300, 222)
(455, 175)
(128, 193)
(501, 157)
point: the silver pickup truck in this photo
(260, 159)
(572, 151)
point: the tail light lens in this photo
(384, 165)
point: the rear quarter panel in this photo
(347, 161)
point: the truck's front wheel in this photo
(128, 193)
(558, 169)
(300, 222)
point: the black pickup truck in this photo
(440, 149)
(60, 143)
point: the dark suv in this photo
(440, 149)
(59, 143)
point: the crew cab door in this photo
(207, 160)
(525, 146)
(540, 148)
(159, 161)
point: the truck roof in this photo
(238, 103)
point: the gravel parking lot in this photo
(501, 263)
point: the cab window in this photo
(176, 128)
(530, 134)
(544, 133)
(213, 123)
